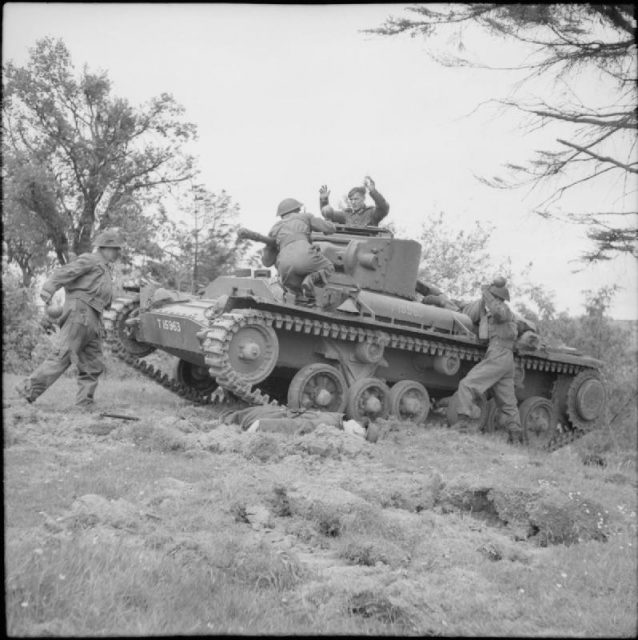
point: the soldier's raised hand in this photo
(324, 192)
(369, 183)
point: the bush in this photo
(24, 340)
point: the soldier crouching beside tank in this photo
(497, 323)
(88, 285)
(300, 264)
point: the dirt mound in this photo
(547, 516)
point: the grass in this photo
(180, 524)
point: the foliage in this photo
(23, 338)
(78, 159)
(458, 262)
(25, 235)
(594, 132)
(597, 335)
(207, 240)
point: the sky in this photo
(287, 98)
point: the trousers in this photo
(298, 259)
(495, 371)
(79, 343)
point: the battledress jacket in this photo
(496, 321)
(366, 217)
(87, 278)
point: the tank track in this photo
(217, 336)
(123, 305)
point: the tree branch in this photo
(621, 165)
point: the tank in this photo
(366, 345)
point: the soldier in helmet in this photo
(88, 285)
(300, 264)
(497, 324)
(358, 214)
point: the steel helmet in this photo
(288, 206)
(109, 238)
(500, 292)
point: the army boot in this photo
(24, 390)
(307, 288)
(514, 433)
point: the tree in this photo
(458, 262)
(80, 159)
(208, 241)
(592, 138)
(25, 234)
(200, 246)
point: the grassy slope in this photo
(180, 523)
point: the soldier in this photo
(497, 323)
(357, 215)
(88, 285)
(300, 264)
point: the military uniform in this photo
(88, 284)
(497, 323)
(297, 257)
(364, 217)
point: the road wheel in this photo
(319, 387)
(195, 377)
(409, 401)
(368, 398)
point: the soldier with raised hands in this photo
(88, 285)
(497, 324)
(357, 214)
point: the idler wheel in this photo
(368, 398)
(124, 333)
(538, 421)
(195, 377)
(253, 352)
(319, 387)
(410, 401)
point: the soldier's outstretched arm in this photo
(335, 215)
(324, 196)
(318, 224)
(381, 206)
(68, 273)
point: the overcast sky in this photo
(287, 98)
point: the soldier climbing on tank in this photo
(358, 214)
(88, 284)
(497, 324)
(300, 264)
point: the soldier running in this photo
(497, 323)
(357, 215)
(300, 264)
(88, 284)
